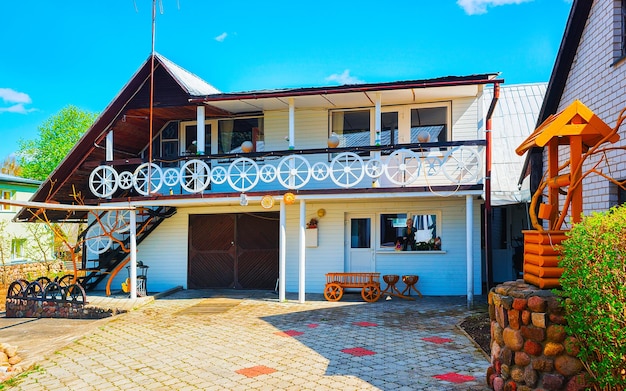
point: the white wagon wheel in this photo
(243, 174)
(103, 181)
(402, 167)
(431, 165)
(293, 171)
(171, 177)
(267, 173)
(125, 179)
(320, 171)
(142, 175)
(461, 165)
(195, 176)
(218, 175)
(346, 169)
(118, 220)
(98, 240)
(374, 168)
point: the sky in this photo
(82, 53)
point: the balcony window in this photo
(352, 127)
(431, 121)
(191, 140)
(233, 132)
(389, 128)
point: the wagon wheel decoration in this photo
(320, 171)
(461, 165)
(293, 171)
(75, 293)
(118, 220)
(98, 241)
(148, 178)
(402, 167)
(267, 173)
(53, 291)
(431, 165)
(16, 288)
(218, 175)
(195, 176)
(243, 174)
(66, 280)
(33, 290)
(370, 293)
(346, 169)
(43, 280)
(125, 180)
(333, 292)
(103, 181)
(171, 177)
(374, 168)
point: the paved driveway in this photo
(229, 340)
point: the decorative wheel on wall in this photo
(66, 280)
(461, 165)
(147, 178)
(346, 169)
(243, 174)
(370, 293)
(118, 220)
(195, 176)
(374, 168)
(267, 173)
(218, 175)
(125, 180)
(171, 176)
(320, 171)
(293, 171)
(333, 292)
(98, 241)
(431, 165)
(402, 167)
(53, 291)
(17, 288)
(34, 290)
(75, 293)
(103, 181)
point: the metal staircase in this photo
(96, 270)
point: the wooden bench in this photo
(337, 282)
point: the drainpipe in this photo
(488, 211)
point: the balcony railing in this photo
(408, 165)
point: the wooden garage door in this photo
(233, 251)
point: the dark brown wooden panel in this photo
(257, 250)
(211, 251)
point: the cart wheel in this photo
(75, 293)
(15, 290)
(370, 293)
(66, 280)
(333, 292)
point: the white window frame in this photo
(412, 213)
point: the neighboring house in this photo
(590, 67)
(216, 199)
(15, 237)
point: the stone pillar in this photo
(530, 349)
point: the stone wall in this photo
(530, 349)
(33, 308)
(30, 271)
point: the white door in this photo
(359, 252)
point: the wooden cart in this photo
(337, 282)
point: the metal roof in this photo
(5, 178)
(193, 84)
(513, 121)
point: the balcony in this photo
(409, 165)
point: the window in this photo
(233, 132)
(7, 195)
(430, 123)
(393, 231)
(17, 248)
(191, 138)
(389, 128)
(169, 141)
(352, 127)
(621, 37)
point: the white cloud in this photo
(344, 78)
(9, 95)
(476, 7)
(16, 108)
(221, 37)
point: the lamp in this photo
(243, 200)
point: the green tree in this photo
(57, 135)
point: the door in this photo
(233, 251)
(359, 253)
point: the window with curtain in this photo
(233, 132)
(429, 120)
(352, 127)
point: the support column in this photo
(133, 254)
(377, 119)
(282, 258)
(200, 131)
(469, 248)
(302, 249)
(292, 126)
(109, 146)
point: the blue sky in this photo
(57, 53)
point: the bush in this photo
(594, 285)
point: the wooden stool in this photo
(411, 281)
(391, 280)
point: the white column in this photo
(377, 119)
(200, 131)
(133, 254)
(109, 146)
(469, 248)
(292, 127)
(282, 258)
(302, 248)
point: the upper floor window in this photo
(429, 122)
(352, 127)
(233, 132)
(7, 195)
(619, 33)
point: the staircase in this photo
(96, 270)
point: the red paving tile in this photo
(437, 340)
(289, 333)
(365, 324)
(255, 371)
(312, 325)
(454, 377)
(358, 352)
